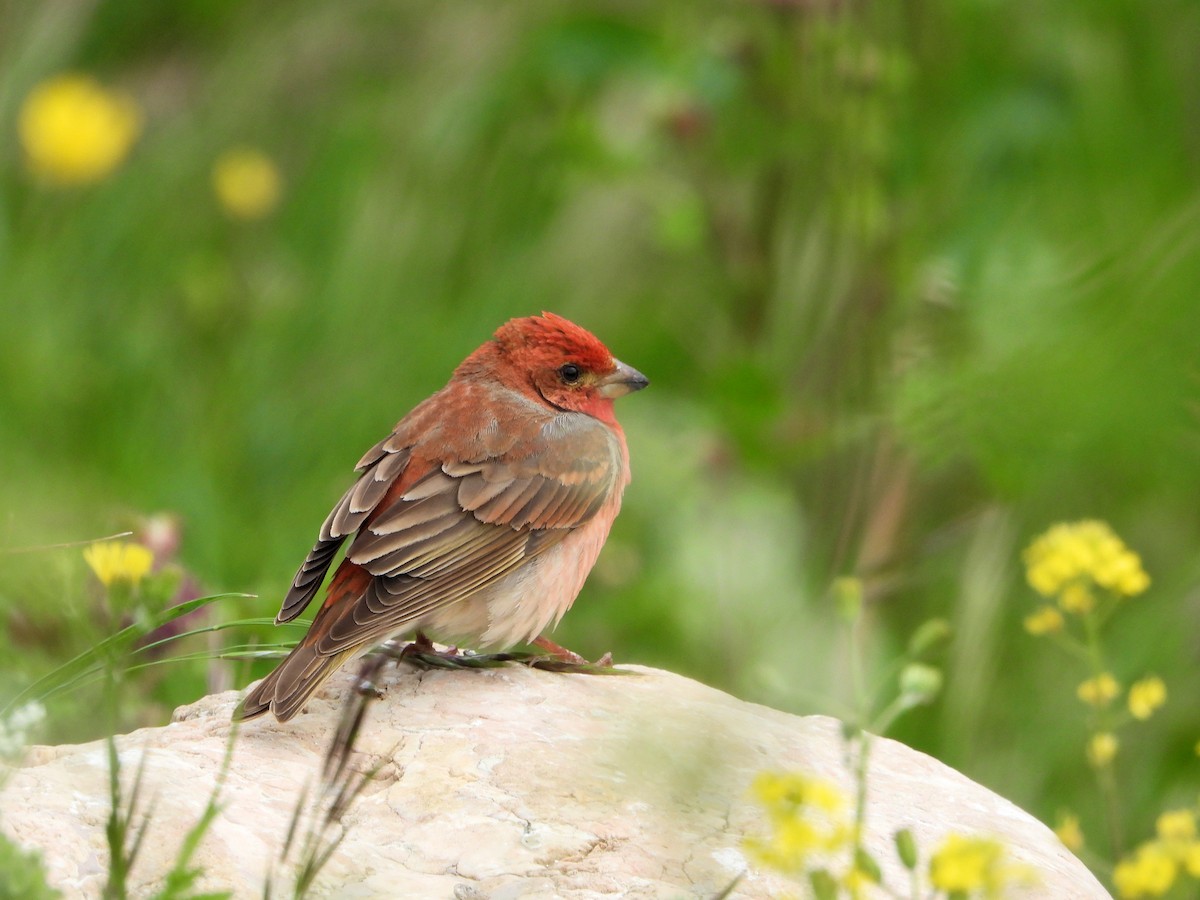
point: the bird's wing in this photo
(441, 532)
(382, 469)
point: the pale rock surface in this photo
(504, 784)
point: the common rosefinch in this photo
(478, 518)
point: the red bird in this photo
(478, 518)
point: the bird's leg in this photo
(422, 643)
(557, 650)
(569, 656)
(421, 651)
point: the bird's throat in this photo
(600, 408)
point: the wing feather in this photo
(344, 519)
(367, 492)
(474, 490)
(380, 613)
(501, 508)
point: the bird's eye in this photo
(569, 373)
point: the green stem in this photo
(860, 803)
(862, 703)
(1069, 645)
(1106, 778)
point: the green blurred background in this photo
(911, 283)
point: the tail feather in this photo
(285, 690)
(288, 688)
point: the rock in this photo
(502, 784)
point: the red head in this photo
(567, 366)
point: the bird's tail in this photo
(286, 690)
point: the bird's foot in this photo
(563, 655)
(422, 652)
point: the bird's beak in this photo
(625, 380)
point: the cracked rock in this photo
(503, 784)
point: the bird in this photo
(477, 520)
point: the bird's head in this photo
(567, 366)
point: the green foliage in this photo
(113, 652)
(180, 881)
(906, 848)
(21, 876)
(806, 816)
(317, 828)
(124, 838)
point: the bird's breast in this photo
(535, 597)
(532, 598)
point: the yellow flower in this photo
(789, 847)
(961, 864)
(857, 881)
(1099, 691)
(1191, 859)
(1176, 829)
(1046, 620)
(1150, 872)
(114, 561)
(805, 819)
(966, 864)
(1146, 696)
(75, 131)
(1176, 825)
(1067, 557)
(1075, 598)
(784, 792)
(1102, 749)
(1122, 573)
(1069, 832)
(247, 183)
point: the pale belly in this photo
(526, 602)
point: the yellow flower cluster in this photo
(1177, 825)
(1071, 557)
(1155, 866)
(785, 792)
(806, 818)
(1069, 563)
(75, 131)
(118, 561)
(1145, 696)
(974, 865)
